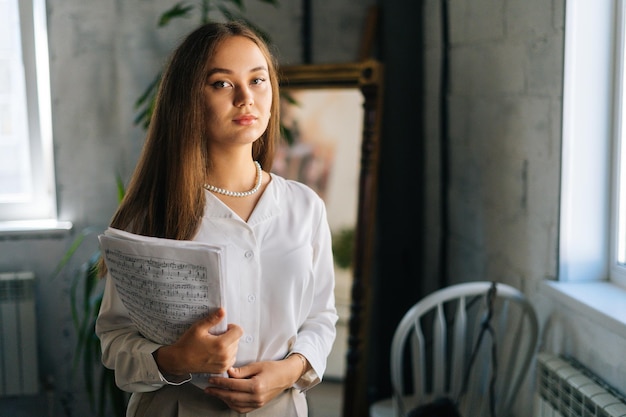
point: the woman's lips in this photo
(245, 120)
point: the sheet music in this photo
(166, 285)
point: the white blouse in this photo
(279, 288)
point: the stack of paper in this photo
(166, 285)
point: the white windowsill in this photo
(603, 302)
(26, 228)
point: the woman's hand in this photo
(197, 350)
(254, 385)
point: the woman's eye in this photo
(257, 81)
(220, 84)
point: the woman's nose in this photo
(243, 97)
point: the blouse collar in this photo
(267, 207)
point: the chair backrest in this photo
(433, 342)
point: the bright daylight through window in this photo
(592, 231)
(27, 187)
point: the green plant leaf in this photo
(284, 95)
(145, 103)
(343, 247)
(287, 134)
(143, 118)
(148, 93)
(177, 11)
(88, 351)
(121, 189)
(76, 243)
(83, 316)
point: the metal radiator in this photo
(565, 388)
(18, 343)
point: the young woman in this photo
(204, 175)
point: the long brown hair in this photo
(165, 196)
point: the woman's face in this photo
(238, 93)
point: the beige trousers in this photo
(187, 400)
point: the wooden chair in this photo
(433, 342)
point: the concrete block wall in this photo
(504, 102)
(505, 105)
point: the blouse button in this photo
(249, 339)
(251, 298)
(249, 254)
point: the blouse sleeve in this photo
(125, 350)
(317, 334)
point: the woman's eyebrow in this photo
(218, 70)
(259, 68)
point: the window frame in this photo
(42, 205)
(617, 271)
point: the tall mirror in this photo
(331, 118)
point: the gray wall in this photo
(506, 97)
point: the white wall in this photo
(102, 55)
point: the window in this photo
(592, 245)
(27, 186)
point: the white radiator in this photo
(565, 388)
(18, 343)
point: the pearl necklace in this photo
(259, 178)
